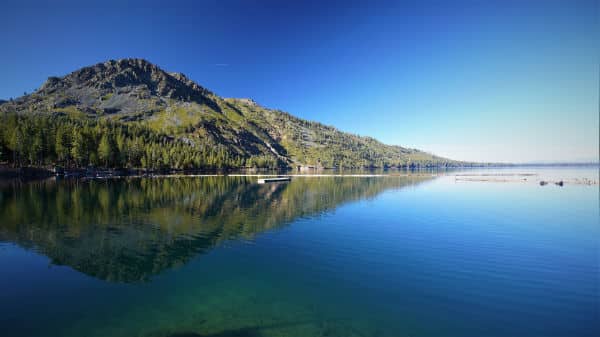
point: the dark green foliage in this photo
(130, 113)
(44, 140)
(107, 150)
(62, 144)
(55, 139)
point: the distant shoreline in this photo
(43, 172)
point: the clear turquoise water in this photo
(326, 256)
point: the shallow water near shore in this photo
(407, 255)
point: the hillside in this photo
(131, 113)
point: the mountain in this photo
(132, 113)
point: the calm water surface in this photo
(319, 256)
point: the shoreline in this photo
(521, 178)
(461, 175)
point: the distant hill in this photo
(131, 113)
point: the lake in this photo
(470, 253)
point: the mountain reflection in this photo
(128, 230)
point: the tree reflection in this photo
(130, 229)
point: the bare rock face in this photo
(131, 72)
(127, 85)
(247, 101)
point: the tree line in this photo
(45, 140)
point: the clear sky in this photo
(480, 80)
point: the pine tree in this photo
(106, 149)
(62, 145)
(78, 147)
(17, 144)
(36, 156)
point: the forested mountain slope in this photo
(131, 113)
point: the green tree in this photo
(106, 150)
(36, 155)
(62, 145)
(78, 147)
(17, 144)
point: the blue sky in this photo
(481, 80)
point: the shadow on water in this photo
(126, 230)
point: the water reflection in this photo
(128, 230)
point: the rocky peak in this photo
(114, 75)
(127, 86)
